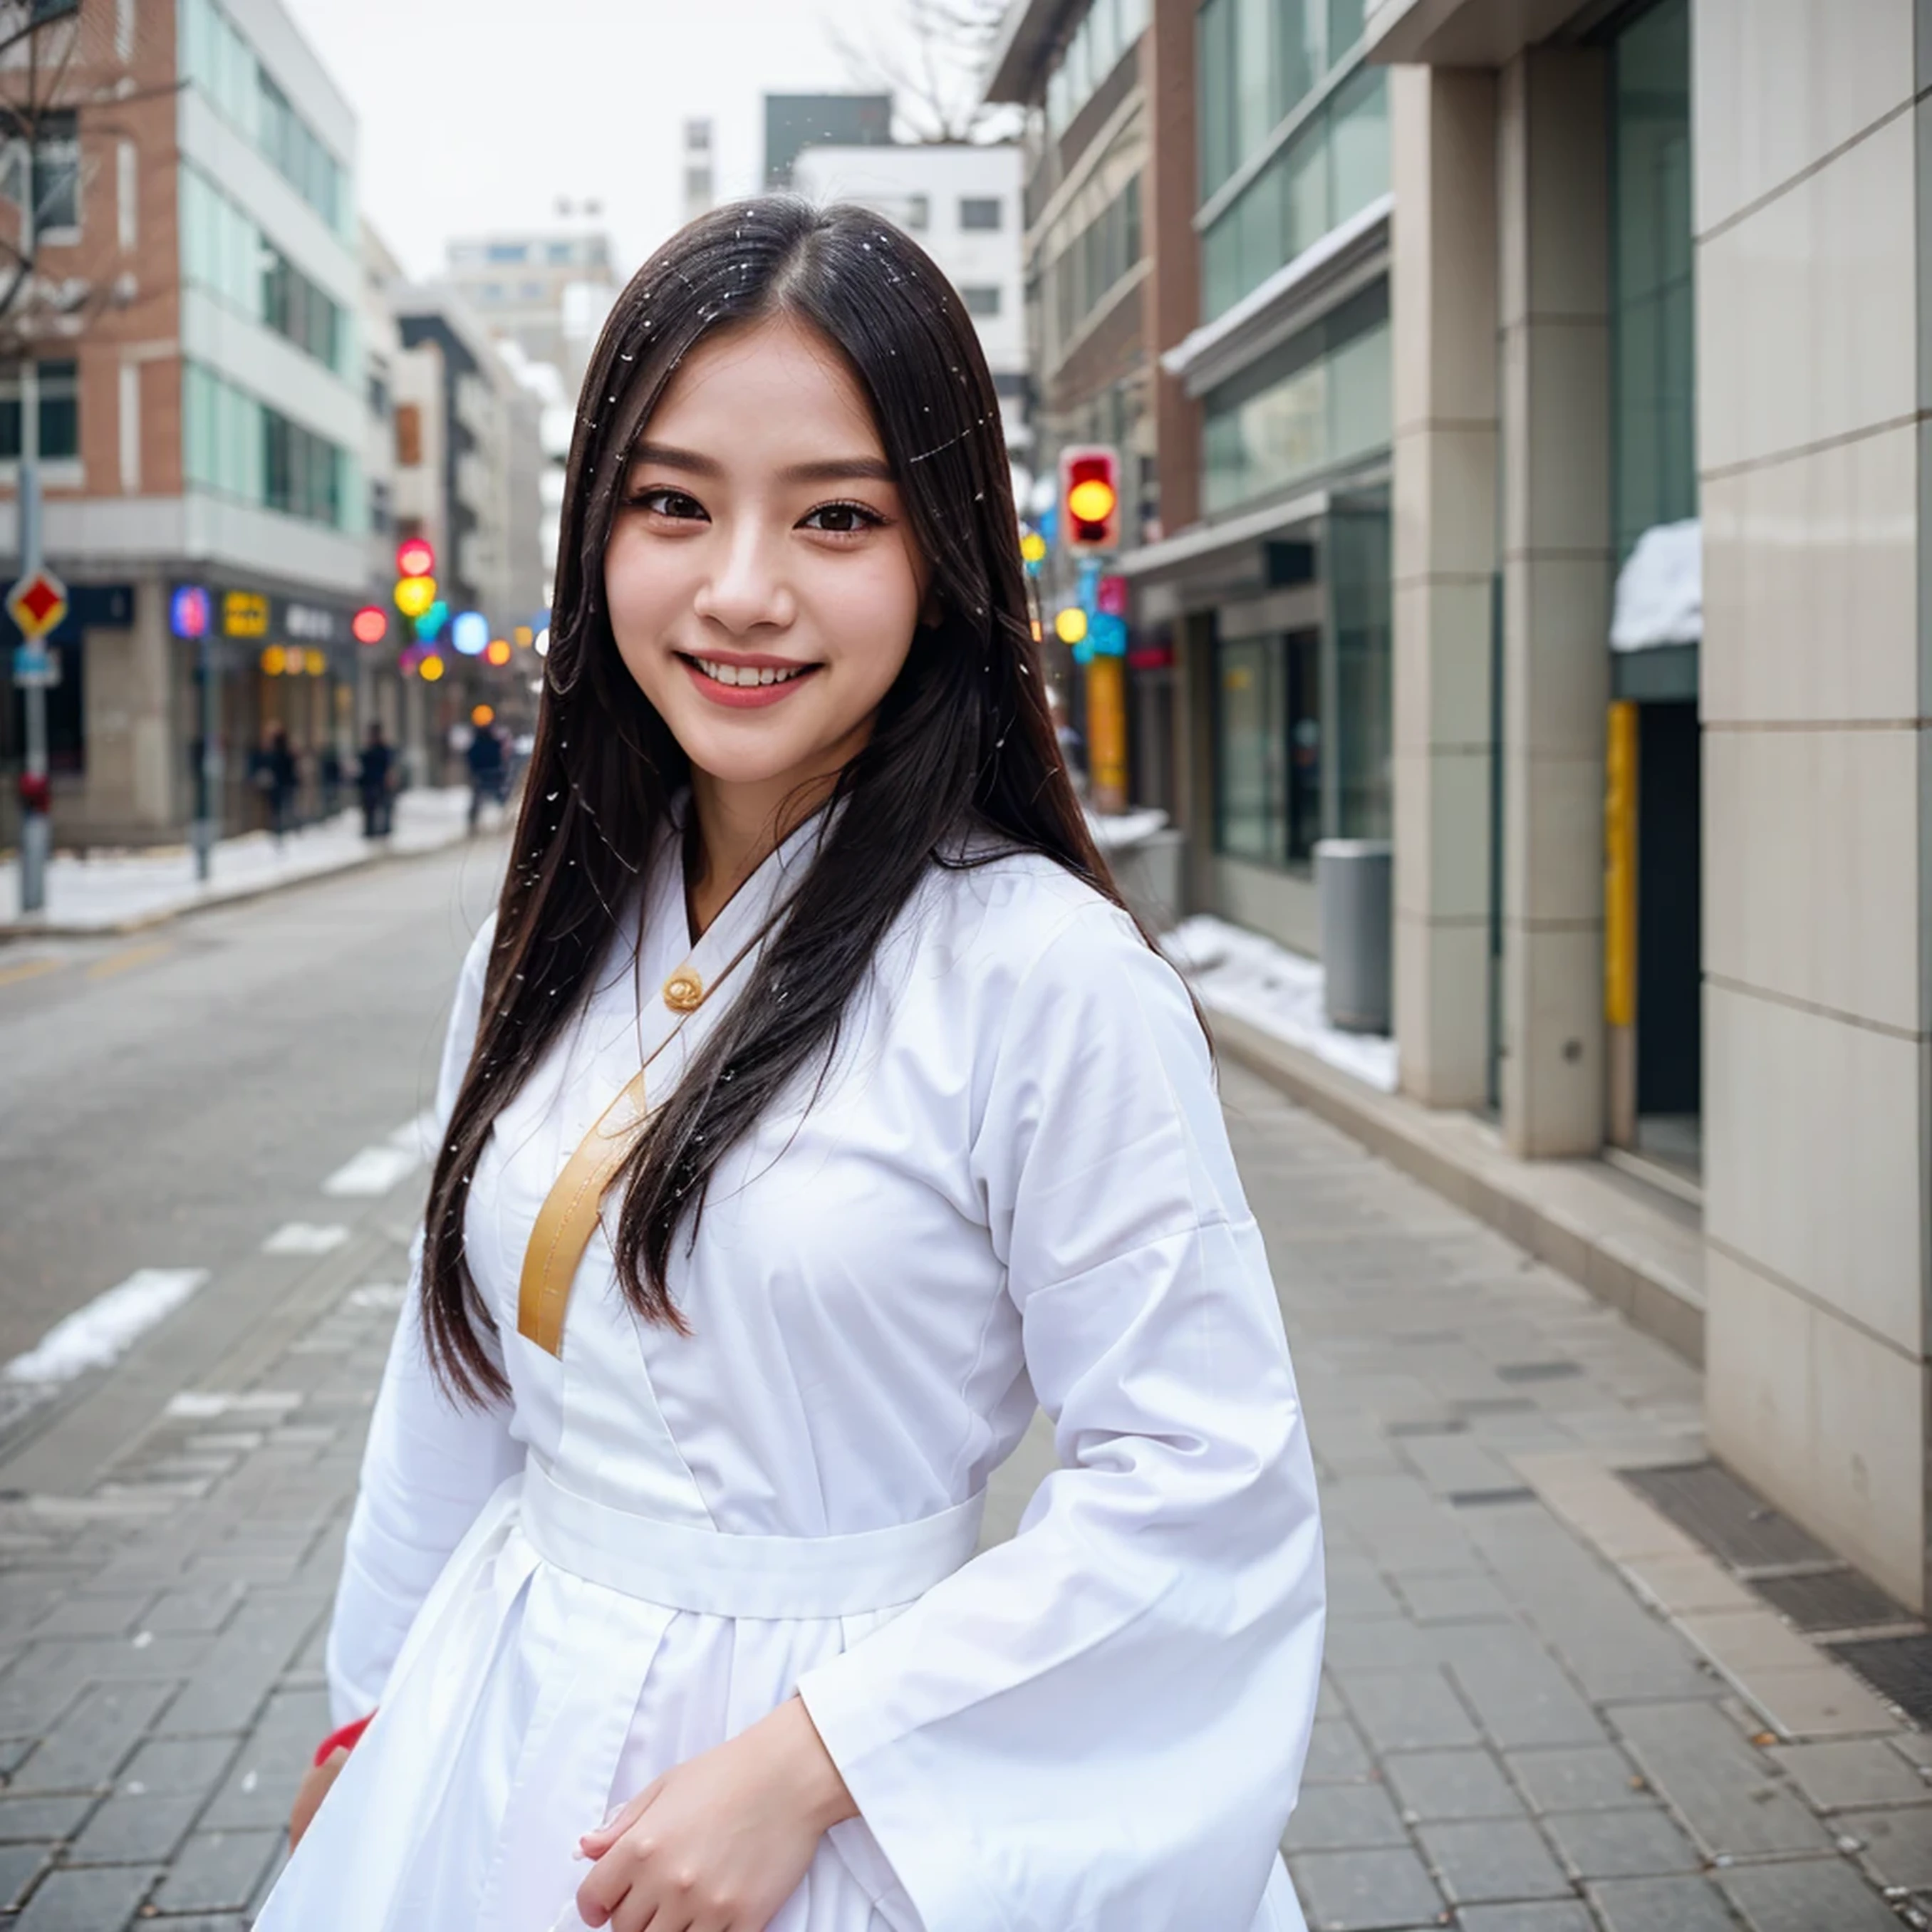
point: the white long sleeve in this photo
(430, 1464)
(1101, 1724)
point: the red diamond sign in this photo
(37, 603)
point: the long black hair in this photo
(964, 742)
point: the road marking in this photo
(303, 1237)
(204, 1405)
(418, 1136)
(135, 955)
(110, 1324)
(378, 1295)
(29, 969)
(373, 1172)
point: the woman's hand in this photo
(312, 1789)
(718, 1844)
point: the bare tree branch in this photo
(937, 80)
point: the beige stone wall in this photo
(1443, 305)
(1817, 680)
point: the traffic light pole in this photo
(36, 827)
(207, 827)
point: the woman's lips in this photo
(744, 697)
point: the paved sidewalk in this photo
(122, 891)
(1509, 1739)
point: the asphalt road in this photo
(168, 1098)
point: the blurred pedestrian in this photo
(375, 782)
(278, 778)
(810, 1103)
(486, 762)
(328, 777)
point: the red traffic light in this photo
(1090, 498)
(369, 624)
(36, 793)
(415, 557)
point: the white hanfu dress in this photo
(1013, 1186)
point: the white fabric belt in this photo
(721, 1575)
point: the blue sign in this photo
(1107, 636)
(469, 632)
(1088, 594)
(190, 611)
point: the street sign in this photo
(35, 667)
(38, 602)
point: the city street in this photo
(1521, 1729)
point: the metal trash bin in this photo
(1354, 893)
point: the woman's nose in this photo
(747, 590)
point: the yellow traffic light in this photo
(414, 595)
(1092, 501)
(1033, 547)
(1070, 625)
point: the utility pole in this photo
(31, 672)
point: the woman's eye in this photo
(669, 503)
(841, 519)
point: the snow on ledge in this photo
(1659, 598)
(1239, 973)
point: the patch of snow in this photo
(373, 1172)
(418, 1136)
(1239, 973)
(1115, 831)
(93, 1336)
(303, 1237)
(1659, 596)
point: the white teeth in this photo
(740, 674)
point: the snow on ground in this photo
(114, 889)
(1238, 972)
(93, 1336)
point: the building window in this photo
(56, 176)
(57, 385)
(1106, 31)
(980, 211)
(301, 471)
(293, 307)
(1319, 401)
(1267, 764)
(1334, 167)
(236, 446)
(1079, 277)
(982, 299)
(507, 251)
(287, 140)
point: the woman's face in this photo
(762, 585)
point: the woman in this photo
(661, 1570)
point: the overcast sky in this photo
(479, 114)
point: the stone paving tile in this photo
(1735, 1799)
(1620, 1844)
(135, 1831)
(1366, 1891)
(101, 1899)
(1806, 1895)
(1587, 1778)
(18, 1866)
(44, 1818)
(1408, 1710)
(218, 1871)
(1553, 1916)
(1382, 1643)
(1454, 1599)
(1850, 1772)
(1450, 1785)
(93, 1741)
(1344, 1818)
(1335, 1753)
(1519, 1694)
(1494, 1860)
(1667, 1905)
(1896, 1846)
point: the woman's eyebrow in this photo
(826, 470)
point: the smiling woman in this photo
(810, 1110)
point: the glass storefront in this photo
(1653, 320)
